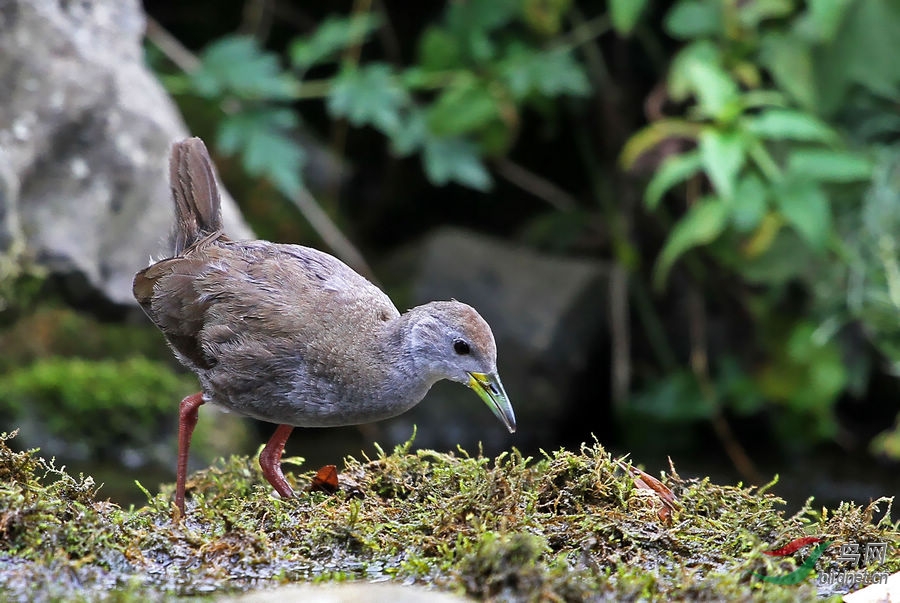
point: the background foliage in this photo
(761, 136)
(735, 162)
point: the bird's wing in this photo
(234, 294)
(167, 293)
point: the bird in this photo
(291, 335)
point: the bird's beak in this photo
(490, 389)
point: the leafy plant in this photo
(771, 147)
(457, 106)
(773, 186)
(106, 404)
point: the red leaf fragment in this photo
(325, 480)
(793, 546)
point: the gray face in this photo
(452, 341)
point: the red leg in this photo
(187, 420)
(270, 460)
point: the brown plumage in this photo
(293, 336)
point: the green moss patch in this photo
(567, 526)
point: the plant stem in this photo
(764, 162)
(583, 32)
(174, 50)
(313, 89)
(535, 184)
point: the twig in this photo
(351, 57)
(620, 332)
(324, 226)
(388, 35)
(330, 233)
(256, 19)
(584, 31)
(656, 99)
(700, 366)
(353, 52)
(653, 327)
(288, 14)
(174, 50)
(537, 185)
(587, 31)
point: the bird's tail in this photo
(198, 209)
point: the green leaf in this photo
(480, 47)
(829, 166)
(787, 124)
(550, 73)
(783, 257)
(807, 385)
(717, 94)
(694, 19)
(439, 50)
(790, 62)
(702, 224)
(236, 65)
(625, 14)
(265, 149)
(455, 160)
(856, 56)
(465, 106)
(805, 207)
(236, 129)
(278, 158)
(679, 80)
(887, 443)
(652, 135)
(737, 387)
(821, 360)
(675, 398)
(822, 19)
(749, 203)
(485, 15)
(412, 133)
(751, 14)
(332, 36)
(722, 154)
(675, 169)
(369, 95)
(546, 18)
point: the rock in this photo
(548, 314)
(886, 592)
(85, 131)
(12, 239)
(350, 592)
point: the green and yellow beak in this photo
(490, 389)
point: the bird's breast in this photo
(304, 395)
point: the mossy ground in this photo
(62, 371)
(567, 526)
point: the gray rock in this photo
(548, 314)
(85, 131)
(885, 592)
(12, 239)
(351, 592)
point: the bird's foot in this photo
(187, 420)
(270, 461)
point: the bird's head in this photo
(450, 340)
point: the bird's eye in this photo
(460, 347)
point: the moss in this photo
(122, 407)
(50, 331)
(568, 526)
(72, 399)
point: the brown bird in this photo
(293, 336)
